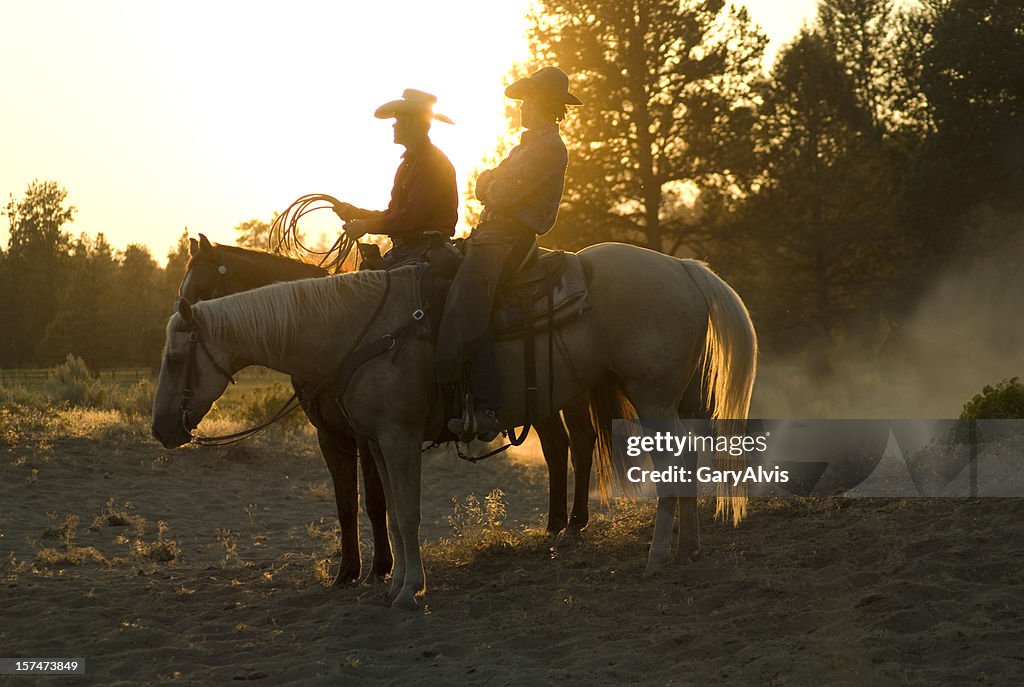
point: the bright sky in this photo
(157, 116)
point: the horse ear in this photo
(193, 248)
(185, 310)
(204, 244)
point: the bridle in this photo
(192, 370)
(219, 286)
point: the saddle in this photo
(547, 290)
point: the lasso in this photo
(285, 239)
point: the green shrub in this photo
(257, 406)
(137, 400)
(1004, 401)
(71, 381)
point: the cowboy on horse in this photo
(425, 199)
(521, 197)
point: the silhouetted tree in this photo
(34, 261)
(816, 244)
(141, 307)
(668, 110)
(84, 317)
(177, 260)
(252, 233)
(969, 65)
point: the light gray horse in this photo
(659, 330)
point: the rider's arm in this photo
(349, 212)
(526, 171)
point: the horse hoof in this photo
(405, 602)
(578, 525)
(554, 527)
(570, 536)
(691, 556)
(373, 580)
(346, 577)
(380, 571)
(654, 567)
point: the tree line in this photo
(885, 143)
(79, 295)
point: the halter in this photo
(192, 370)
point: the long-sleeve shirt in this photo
(425, 196)
(527, 186)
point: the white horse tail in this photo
(608, 402)
(730, 366)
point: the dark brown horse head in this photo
(214, 271)
(206, 275)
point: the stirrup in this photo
(464, 427)
(467, 428)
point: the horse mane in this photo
(254, 254)
(266, 318)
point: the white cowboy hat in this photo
(412, 102)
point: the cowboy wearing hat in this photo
(425, 198)
(520, 197)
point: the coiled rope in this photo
(286, 239)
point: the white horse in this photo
(662, 331)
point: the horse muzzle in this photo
(171, 434)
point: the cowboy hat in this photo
(550, 83)
(412, 102)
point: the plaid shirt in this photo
(527, 185)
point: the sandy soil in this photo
(822, 591)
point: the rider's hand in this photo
(356, 229)
(346, 211)
(483, 182)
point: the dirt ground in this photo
(231, 586)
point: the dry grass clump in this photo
(75, 555)
(162, 550)
(298, 568)
(112, 516)
(229, 542)
(19, 423)
(320, 491)
(144, 554)
(329, 539)
(479, 529)
(68, 554)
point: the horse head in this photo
(207, 273)
(194, 373)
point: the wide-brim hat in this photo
(550, 84)
(415, 103)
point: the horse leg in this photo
(554, 443)
(693, 405)
(377, 510)
(582, 438)
(402, 457)
(395, 532)
(661, 542)
(652, 409)
(339, 452)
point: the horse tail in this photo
(608, 402)
(730, 366)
